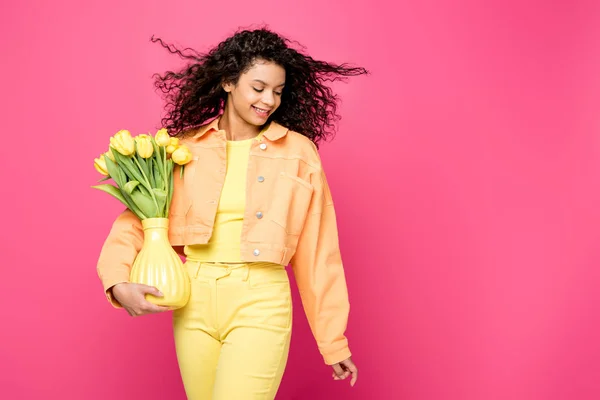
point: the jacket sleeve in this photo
(319, 273)
(120, 248)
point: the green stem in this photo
(165, 167)
(167, 185)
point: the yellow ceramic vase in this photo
(157, 264)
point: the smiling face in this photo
(257, 93)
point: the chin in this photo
(257, 121)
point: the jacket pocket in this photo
(290, 202)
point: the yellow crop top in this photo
(224, 244)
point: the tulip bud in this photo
(100, 165)
(162, 138)
(182, 155)
(123, 143)
(144, 146)
(172, 145)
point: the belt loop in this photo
(197, 269)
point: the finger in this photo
(133, 311)
(339, 372)
(153, 308)
(345, 372)
(354, 372)
(350, 369)
(354, 378)
(349, 365)
(151, 290)
(344, 375)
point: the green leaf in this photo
(123, 167)
(114, 152)
(144, 165)
(142, 162)
(170, 197)
(158, 176)
(122, 197)
(123, 176)
(130, 186)
(131, 169)
(133, 207)
(113, 191)
(161, 199)
(145, 203)
(115, 172)
(158, 157)
(104, 178)
(151, 173)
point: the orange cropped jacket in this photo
(289, 219)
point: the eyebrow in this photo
(259, 81)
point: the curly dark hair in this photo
(194, 95)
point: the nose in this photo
(268, 99)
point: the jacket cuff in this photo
(337, 356)
(108, 285)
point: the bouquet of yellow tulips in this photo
(142, 167)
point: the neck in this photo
(236, 128)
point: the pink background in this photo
(466, 174)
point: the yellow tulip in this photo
(162, 138)
(173, 145)
(144, 146)
(110, 155)
(182, 155)
(100, 165)
(123, 143)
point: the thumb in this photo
(151, 290)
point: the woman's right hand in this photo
(132, 297)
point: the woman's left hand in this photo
(344, 369)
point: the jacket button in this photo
(261, 178)
(256, 252)
(263, 146)
(259, 215)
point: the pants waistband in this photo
(232, 264)
(218, 270)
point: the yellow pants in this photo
(232, 338)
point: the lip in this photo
(265, 114)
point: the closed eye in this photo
(262, 90)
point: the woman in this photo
(253, 200)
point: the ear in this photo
(228, 87)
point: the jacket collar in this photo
(273, 132)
